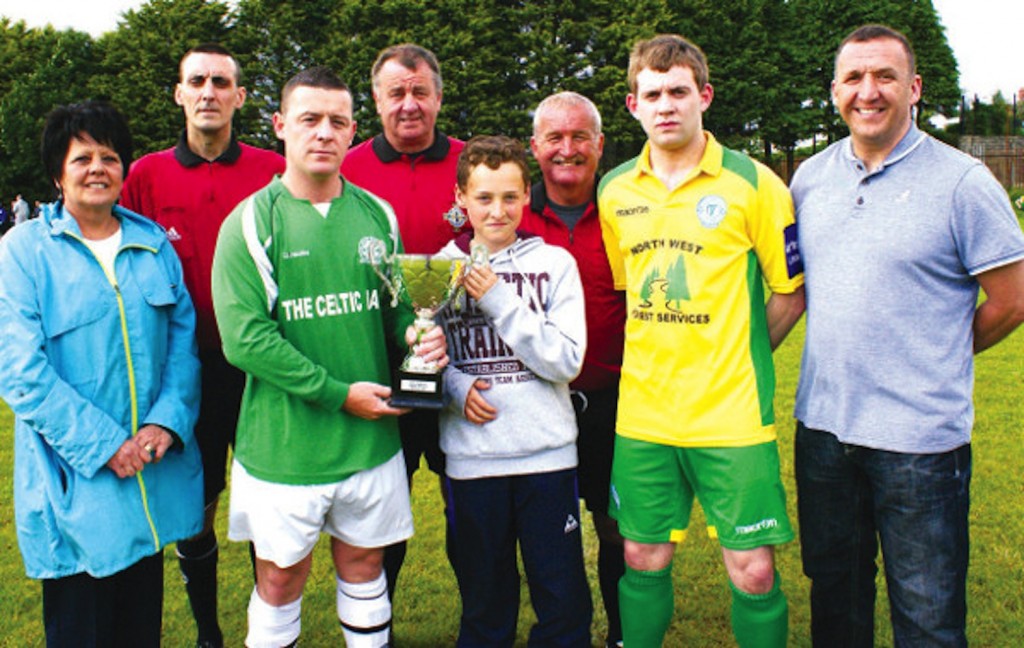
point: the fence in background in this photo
(1004, 155)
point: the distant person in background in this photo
(898, 231)
(99, 367)
(190, 189)
(567, 143)
(20, 209)
(412, 166)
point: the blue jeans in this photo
(850, 497)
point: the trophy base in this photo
(417, 390)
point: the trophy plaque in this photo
(429, 283)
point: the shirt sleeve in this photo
(985, 227)
(773, 233)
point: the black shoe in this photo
(209, 643)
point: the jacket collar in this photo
(135, 229)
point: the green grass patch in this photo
(427, 605)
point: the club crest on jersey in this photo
(372, 250)
(711, 211)
(455, 217)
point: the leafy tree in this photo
(771, 62)
(274, 39)
(824, 23)
(63, 63)
(139, 67)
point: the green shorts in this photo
(653, 487)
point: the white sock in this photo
(365, 612)
(273, 626)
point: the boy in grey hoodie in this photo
(516, 340)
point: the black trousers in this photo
(122, 610)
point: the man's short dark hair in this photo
(97, 119)
(866, 33)
(320, 76)
(212, 48)
(408, 55)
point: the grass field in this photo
(427, 606)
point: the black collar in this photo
(435, 152)
(186, 157)
(539, 196)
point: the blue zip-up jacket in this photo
(84, 364)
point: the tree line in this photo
(770, 60)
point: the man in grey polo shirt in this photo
(897, 233)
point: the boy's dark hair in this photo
(314, 77)
(97, 119)
(493, 151)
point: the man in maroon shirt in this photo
(567, 143)
(190, 189)
(411, 164)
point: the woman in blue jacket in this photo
(100, 369)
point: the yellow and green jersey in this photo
(697, 368)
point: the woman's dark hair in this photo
(98, 119)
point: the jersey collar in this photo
(187, 158)
(435, 152)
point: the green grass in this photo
(427, 606)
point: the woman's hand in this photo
(148, 446)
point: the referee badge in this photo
(455, 217)
(711, 211)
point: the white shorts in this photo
(284, 521)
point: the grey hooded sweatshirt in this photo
(527, 336)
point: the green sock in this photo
(645, 604)
(760, 620)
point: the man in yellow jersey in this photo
(693, 231)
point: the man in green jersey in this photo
(299, 311)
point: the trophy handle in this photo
(384, 279)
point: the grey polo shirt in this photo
(890, 260)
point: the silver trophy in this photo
(429, 282)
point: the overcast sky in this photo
(985, 34)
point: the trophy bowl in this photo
(429, 282)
